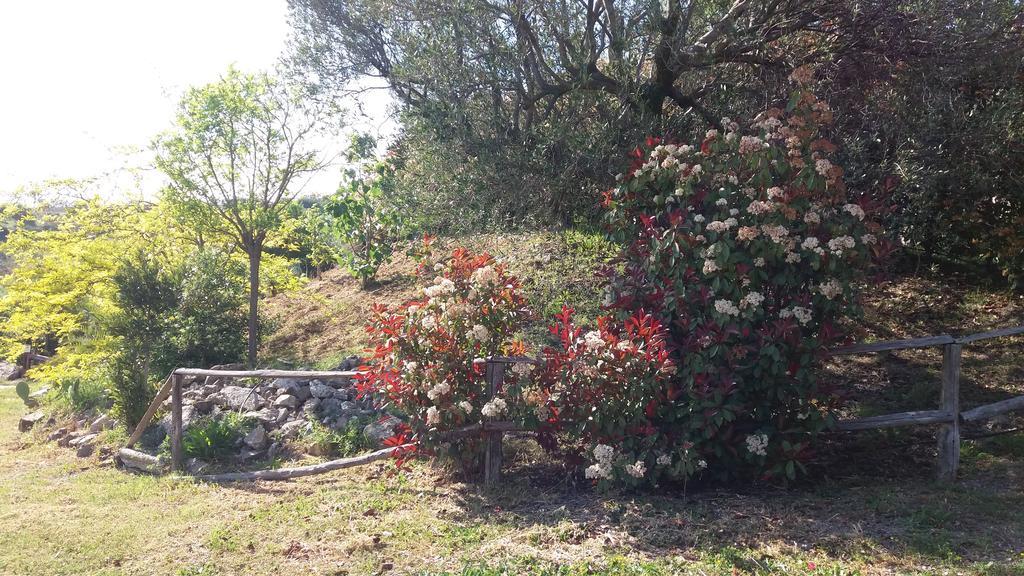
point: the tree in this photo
(539, 97)
(238, 148)
(364, 211)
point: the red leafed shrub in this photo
(428, 358)
(604, 386)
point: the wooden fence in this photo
(949, 414)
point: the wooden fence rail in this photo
(949, 414)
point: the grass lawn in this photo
(60, 514)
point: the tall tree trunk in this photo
(255, 251)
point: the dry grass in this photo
(65, 515)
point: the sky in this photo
(81, 83)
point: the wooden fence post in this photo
(492, 456)
(949, 434)
(177, 456)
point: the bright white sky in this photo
(80, 82)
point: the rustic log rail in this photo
(948, 415)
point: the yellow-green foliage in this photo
(60, 292)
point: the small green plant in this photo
(347, 442)
(80, 394)
(215, 438)
(21, 389)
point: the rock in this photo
(139, 461)
(84, 444)
(382, 429)
(274, 450)
(332, 408)
(10, 371)
(153, 436)
(57, 434)
(320, 390)
(256, 438)
(104, 422)
(340, 423)
(238, 398)
(311, 406)
(195, 466)
(267, 416)
(287, 401)
(40, 393)
(189, 414)
(318, 449)
(29, 420)
(203, 406)
(83, 439)
(245, 455)
(297, 388)
(292, 428)
(349, 364)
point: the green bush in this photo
(211, 321)
(214, 438)
(147, 297)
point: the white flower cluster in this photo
(868, 239)
(664, 459)
(494, 408)
(466, 406)
(480, 333)
(486, 275)
(429, 322)
(593, 341)
(837, 244)
(803, 315)
(667, 157)
(438, 391)
(433, 416)
(831, 288)
(855, 210)
(757, 444)
(822, 167)
(721, 202)
(710, 266)
(698, 218)
(750, 144)
(722, 226)
(753, 299)
(522, 369)
(637, 469)
(603, 467)
(775, 192)
(812, 217)
(777, 233)
(726, 307)
(440, 287)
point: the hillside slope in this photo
(325, 320)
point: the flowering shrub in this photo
(603, 386)
(429, 353)
(745, 248)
